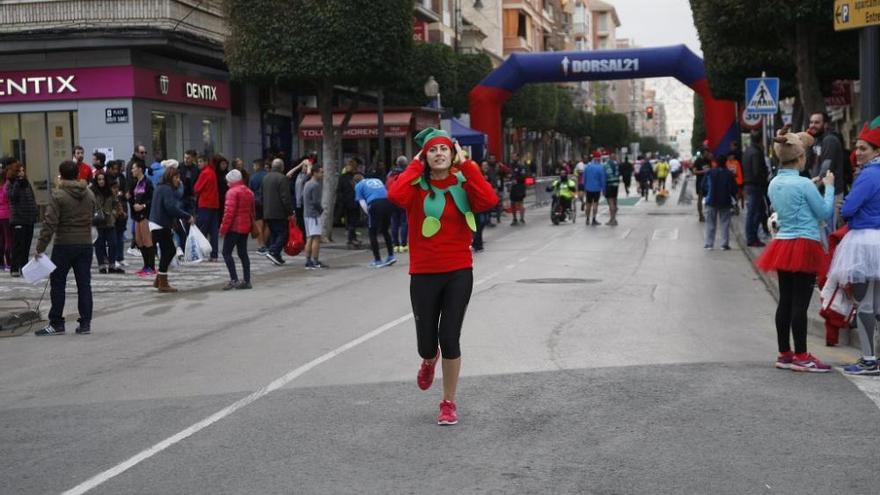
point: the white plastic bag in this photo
(197, 247)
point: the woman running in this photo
(440, 196)
(796, 254)
(857, 257)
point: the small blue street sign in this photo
(762, 95)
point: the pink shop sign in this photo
(112, 82)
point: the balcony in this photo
(516, 44)
(203, 19)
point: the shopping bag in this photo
(295, 239)
(837, 307)
(197, 246)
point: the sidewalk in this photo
(816, 324)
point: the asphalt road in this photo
(596, 360)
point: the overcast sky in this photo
(657, 22)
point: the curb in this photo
(815, 323)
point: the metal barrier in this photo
(536, 194)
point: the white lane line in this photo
(869, 386)
(275, 385)
(115, 471)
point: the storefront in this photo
(44, 113)
(361, 137)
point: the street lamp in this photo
(432, 90)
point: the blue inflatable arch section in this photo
(487, 98)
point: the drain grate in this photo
(558, 281)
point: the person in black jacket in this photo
(24, 213)
(347, 203)
(140, 196)
(719, 189)
(755, 182)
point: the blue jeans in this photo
(105, 246)
(120, 242)
(278, 234)
(79, 258)
(208, 221)
(713, 214)
(757, 209)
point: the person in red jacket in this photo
(238, 219)
(440, 195)
(208, 217)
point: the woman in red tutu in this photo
(796, 254)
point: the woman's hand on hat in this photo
(459, 154)
(418, 156)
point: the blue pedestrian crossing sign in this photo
(762, 95)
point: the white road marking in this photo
(869, 385)
(278, 383)
(665, 234)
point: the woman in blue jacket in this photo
(796, 254)
(857, 258)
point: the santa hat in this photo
(233, 176)
(871, 133)
(596, 154)
(431, 136)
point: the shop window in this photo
(165, 136)
(41, 141)
(9, 136)
(212, 136)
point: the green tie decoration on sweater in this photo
(434, 206)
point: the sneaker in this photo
(49, 330)
(15, 274)
(397, 249)
(783, 360)
(317, 264)
(708, 247)
(612, 223)
(425, 376)
(141, 273)
(232, 284)
(121, 264)
(310, 265)
(133, 252)
(404, 249)
(275, 259)
(862, 367)
(725, 248)
(115, 270)
(513, 223)
(263, 251)
(810, 364)
(389, 261)
(102, 270)
(244, 285)
(447, 414)
(757, 244)
(595, 223)
(83, 330)
(376, 264)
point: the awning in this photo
(467, 136)
(361, 125)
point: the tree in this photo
(319, 44)
(794, 41)
(611, 130)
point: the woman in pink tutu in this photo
(796, 254)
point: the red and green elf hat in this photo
(871, 133)
(431, 136)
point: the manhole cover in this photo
(558, 281)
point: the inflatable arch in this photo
(519, 69)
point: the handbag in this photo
(99, 219)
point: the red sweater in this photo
(206, 188)
(238, 213)
(450, 248)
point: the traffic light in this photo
(649, 113)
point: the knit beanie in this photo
(233, 176)
(431, 136)
(791, 146)
(871, 133)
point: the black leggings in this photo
(439, 302)
(239, 242)
(165, 239)
(795, 292)
(380, 222)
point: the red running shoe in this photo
(809, 363)
(447, 413)
(784, 360)
(425, 377)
